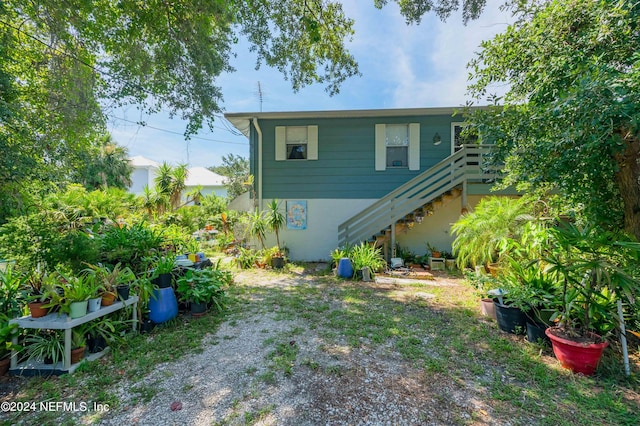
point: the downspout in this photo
(257, 127)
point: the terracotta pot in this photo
(575, 356)
(487, 308)
(36, 309)
(108, 299)
(77, 354)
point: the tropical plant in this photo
(38, 285)
(164, 264)
(7, 333)
(596, 268)
(108, 278)
(275, 220)
(340, 253)
(257, 226)
(11, 282)
(204, 286)
(45, 345)
(246, 258)
(130, 245)
(367, 255)
(482, 235)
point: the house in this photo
(145, 172)
(207, 181)
(397, 176)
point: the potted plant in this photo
(109, 278)
(45, 346)
(595, 268)
(36, 289)
(275, 220)
(74, 297)
(201, 287)
(435, 253)
(78, 344)
(163, 267)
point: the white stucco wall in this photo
(323, 217)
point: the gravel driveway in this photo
(234, 381)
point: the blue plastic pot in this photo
(163, 305)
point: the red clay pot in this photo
(577, 357)
(36, 309)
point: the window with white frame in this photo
(397, 146)
(296, 143)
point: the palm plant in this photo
(482, 235)
(257, 226)
(275, 220)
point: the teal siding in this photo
(346, 158)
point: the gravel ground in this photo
(233, 381)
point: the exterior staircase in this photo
(417, 197)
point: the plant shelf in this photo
(57, 321)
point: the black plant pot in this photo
(510, 319)
(277, 262)
(96, 344)
(198, 308)
(123, 291)
(147, 326)
(163, 280)
(535, 332)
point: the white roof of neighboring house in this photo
(204, 177)
(140, 161)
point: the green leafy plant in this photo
(366, 255)
(7, 333)
(45, 345)
(257, 226)
(204, 286)
(275, 220)
(108, 278)
(164, 264)
(596, 267)
(246, 258)
(11, 283)
(482, 234)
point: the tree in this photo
(570, 119)
(106, 164)
(236, 169)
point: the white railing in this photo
(466, 164)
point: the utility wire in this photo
(174, 132)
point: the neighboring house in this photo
(398, 176)
(145, 172)
(210, 182)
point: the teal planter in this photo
(78, 309)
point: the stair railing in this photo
(464, 165)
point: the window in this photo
(398, 146)
(296, 140)
(296, 143)
(459, 138)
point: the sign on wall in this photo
(296, 215)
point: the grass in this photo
(442, 336)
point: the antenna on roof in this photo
(260, 95)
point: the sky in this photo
(402, 66)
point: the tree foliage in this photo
(236, 169)
(570, 119)
(414, 10)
